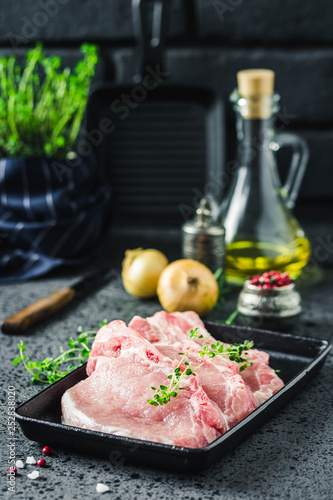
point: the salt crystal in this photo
(19, 464)
(101, 488)
(30, 460)
(33, 475)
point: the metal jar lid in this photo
(203, 221)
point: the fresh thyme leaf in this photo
(194, 334)
(49, 370)
(233, 351)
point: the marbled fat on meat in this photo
(122, 368)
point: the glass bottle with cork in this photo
(261, 231)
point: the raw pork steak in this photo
(260, 377)
(220, 378)
(166, 328)
(113, 399)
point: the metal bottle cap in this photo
(203, 238)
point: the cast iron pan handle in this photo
(150, 43)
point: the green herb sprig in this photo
(41, 104)
(220, 276)
(165, 393)
(234, 352)
(49, 370)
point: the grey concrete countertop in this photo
(290, 456)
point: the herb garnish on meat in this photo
(233, 351)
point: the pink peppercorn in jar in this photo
(273, 279)
(269, 295)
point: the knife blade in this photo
(56, 300)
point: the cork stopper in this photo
(255, 82)
(257, 87)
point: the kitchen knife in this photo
(45, 307)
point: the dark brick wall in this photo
(208, 42)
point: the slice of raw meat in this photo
(219, 379)
(175, 327)
(222, 384)
(159, 329)
(123, 367)
(261, 379)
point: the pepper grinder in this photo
(203, 239)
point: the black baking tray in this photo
(297, 358)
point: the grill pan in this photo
(164, 148)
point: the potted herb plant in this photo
(46, 219)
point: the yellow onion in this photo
(141, 271)
(187, 285)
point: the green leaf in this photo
(21, 346)
(49, 370)
(71, 342)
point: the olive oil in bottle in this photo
(245, 258)
(262, 233)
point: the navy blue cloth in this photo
(51, 213)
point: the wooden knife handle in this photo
(38, 311)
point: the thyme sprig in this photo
(49, 370)
(165, 393)
(234, 352)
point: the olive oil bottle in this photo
(261, 231)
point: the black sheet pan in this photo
(298, 358)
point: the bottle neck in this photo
(255, 152)
(256, 106)
(254, 123)
(254, 134)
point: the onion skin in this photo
(187, 285)
(141, 271)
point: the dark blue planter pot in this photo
(51, 213)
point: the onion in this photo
(141, 271)
(187, 285)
